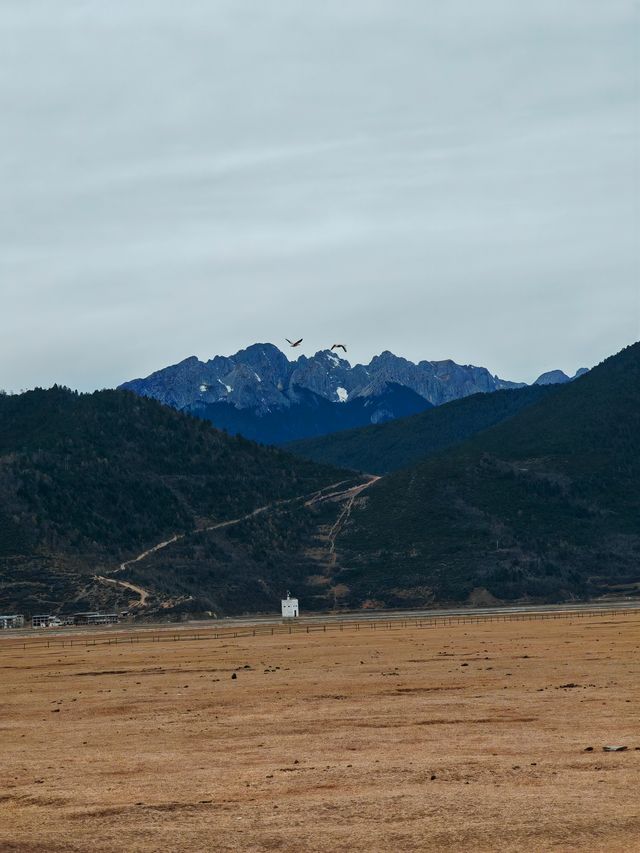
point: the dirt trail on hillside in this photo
(352, 491)
(319, 496)
(150, 551)
(142, 593)
(342, 519)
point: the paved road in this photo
(329, 618)
(386, 615)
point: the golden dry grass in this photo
(328, 742)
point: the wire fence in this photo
(168, 635)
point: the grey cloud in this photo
(443, 180)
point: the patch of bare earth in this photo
(364, 740)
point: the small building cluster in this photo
(93, 618)
(16, 620)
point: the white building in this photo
(290, 607)
(95, 619)
(15, 620)
(45, 621)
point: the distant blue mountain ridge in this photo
(262, 395)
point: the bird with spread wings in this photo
(339, 346)
(294, 343)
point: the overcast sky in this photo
(443, 179)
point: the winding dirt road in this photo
(142, 593)
(319, 496)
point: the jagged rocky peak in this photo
(173, 385)
(268, 362)
(388, 357)
(326, 374)
(261, 378)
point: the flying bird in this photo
(294, 343)
(339, 346)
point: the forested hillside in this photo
(87, 480)
(386, 447)
(545, 505)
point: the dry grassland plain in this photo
(447, 738)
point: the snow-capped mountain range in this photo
(262, 378)
(261, 386)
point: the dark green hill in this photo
(397, 444)
(545, 505)
(89, 480)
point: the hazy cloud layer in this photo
(451, 179)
